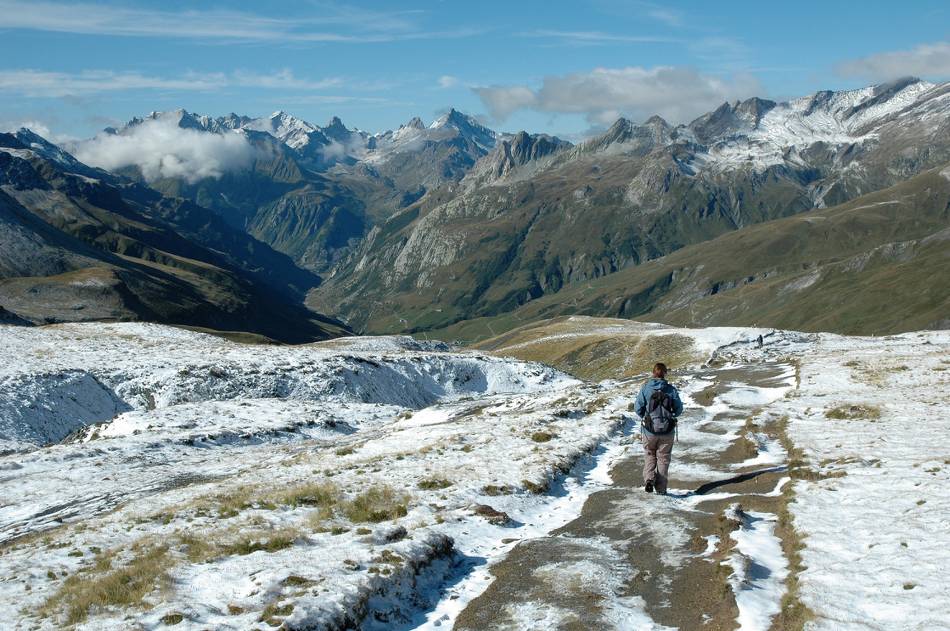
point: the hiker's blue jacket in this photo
(640, 407)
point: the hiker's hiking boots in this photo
(649, 486)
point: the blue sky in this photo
(560, 67)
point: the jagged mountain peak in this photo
(515, 155)
(754, 109)
(896, 85)
(10, 141)
(457, 119)
(335, 123)
(656, 121)
(468, 127)
(414, 123)
(620, 125)
(26, 139)
(626, 136)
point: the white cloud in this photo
(334, 24)
(675, 93)
(926, 60)
(593, 38)
(503, 101)
(667, 16)
(160, 148)
(448, 81)
(40, 83)
(37, 127)
(338, 99)
(283, 79)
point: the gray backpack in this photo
(659, 418)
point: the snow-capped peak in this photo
(467, 127)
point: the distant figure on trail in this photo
(658, 404)
(759, 342)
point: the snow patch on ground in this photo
(759, 569)
(886, 466)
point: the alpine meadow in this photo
(601, 315)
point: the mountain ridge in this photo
(428, 225)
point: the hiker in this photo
(658, 404)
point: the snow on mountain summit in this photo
(761, 133)
(467, 127)
(755, 133)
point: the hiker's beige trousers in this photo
(656, 463)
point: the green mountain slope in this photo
(875, 265)
(489, 245)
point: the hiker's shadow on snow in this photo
(680, 495)
(755, 571)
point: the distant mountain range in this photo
(432, 226)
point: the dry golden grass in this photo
(100, 586)
(208, 546)
(434, 483)
(794, 614)
(854, 411)
(376, 504)
(595, 348)
(310, 494)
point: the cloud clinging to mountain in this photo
(926, 60)
(603, 94)
(160, 149)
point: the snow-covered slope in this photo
(373, 482)
(200, 419)
(761, 133)
(51, 386)
(871, 417)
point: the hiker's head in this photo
(659, 370)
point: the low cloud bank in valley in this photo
(604, 94)
(162, 149)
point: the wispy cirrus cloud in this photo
(661, 13)
(603, 94)
(597, 38)
(926, 60)
(336, 24)
(41, 83)
(666, 15)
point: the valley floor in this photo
(154, 477)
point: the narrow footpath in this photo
(706, 556)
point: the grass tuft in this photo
(375, 505)
(541, 437)
(204, 547)
(434, 484)
(101, 587)
(854, 411)
(311, 494)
